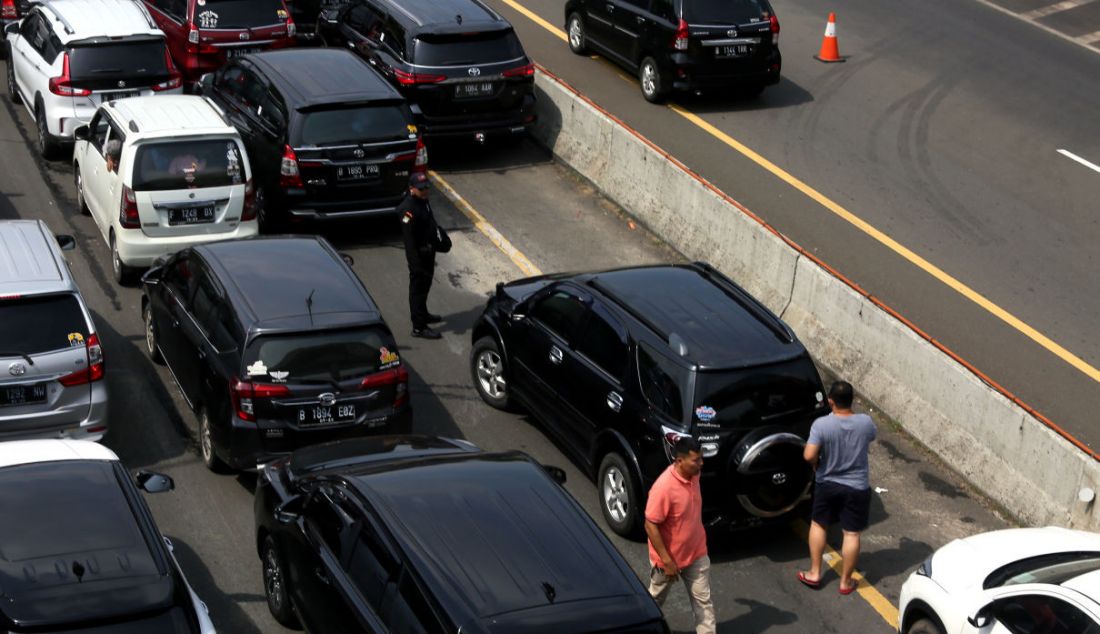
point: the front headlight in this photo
(925, 569)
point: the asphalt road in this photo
(941, 130)
(560, 223)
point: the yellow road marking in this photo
(484, 226)
(974, 296)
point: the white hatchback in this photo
(182, 178)
(1016, 581)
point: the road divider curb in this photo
(1020, 459)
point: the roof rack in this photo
(60, 18)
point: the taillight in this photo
(421, 164)
(289, 176)
(290, 28)
(398, 377)
(409, 79)
(249, 212)
(680, 40)
(8, 10)
(671, 436)
(175, 78)
(193, 45)
(775, 29)
(522, 71)
(128, 210)
(94, 371)
(62, 85)
(243, 394)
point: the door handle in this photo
(175, 323)
(202, 354)
(614, 401)
(640, 19)
(610, 8)
(555, 355)
(322, 577)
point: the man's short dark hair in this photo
(684, 446)
(841, 393)
(113, 150)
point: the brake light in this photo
(249, 211)
(94, 371)
(680, 40)
(290, 28)
(193, 45)
(128, 210)
(289, 176)
(62, 85)
(243, 394)
(398, 377)
(775, 29)
(522, 71)
(9, 11)
(410, 79)
(175, 78)
(421, 164)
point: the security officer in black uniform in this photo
(419, 230)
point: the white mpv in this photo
(182, 178)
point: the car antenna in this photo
(78, 570)
(309, 305)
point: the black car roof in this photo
(721, 325)
(322, 76)
(503, 539)
(290, 283)
(475, 15)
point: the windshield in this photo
(239, 14)
(33, 325)
(188, 164)
(467, 48)
(356, 125)
(127, 60)
(723, 11)
(758, 395)
(323, 356)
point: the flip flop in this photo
(809, 583)
(850, 589)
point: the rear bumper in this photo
(302, 208)
(139, 250)
(87, 422)
(502, 123)
(705, 76)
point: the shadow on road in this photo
(225, 609)
(759, 618)
(782, 95)
(462, 155)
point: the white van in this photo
(182, 178)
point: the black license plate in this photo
(240, 52)
(475, 89)
(14, 395)
(122, 95)
(191, 215)
(736, 50)
(317, 415)
(358, 172)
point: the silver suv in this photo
(51, 361)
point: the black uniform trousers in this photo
(421, 271)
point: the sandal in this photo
(809, 583)
(850, 589)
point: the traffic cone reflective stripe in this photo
(830, 50)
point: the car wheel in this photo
(47, 146)
(150, 334)
(487, 369)
(924, 626)
(13, 92)
(206, 444)
(618, 496)
(275, 588)
(649, 76)
(578, 41)
(81, 201)
(122, 273)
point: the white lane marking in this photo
(1055, 32)
(1057, 7)
(1089, 38)
(1070, 155)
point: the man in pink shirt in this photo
(677, 539)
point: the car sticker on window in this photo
(208, 19)
(705, 413)
(281, 13)
(76, 339)
(232, 163)
(387, 359)
(279, 376)
(257, 369)
(201, 3)
(820, 397)
(412, 130)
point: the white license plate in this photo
(240, 52)
(359, 172)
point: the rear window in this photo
(124, 60)
(722, 11)
(664, 382)
(323, 356)
(239, 14)
(188, 164)
(463, 49)
(356, 125)
(758, 395)
(40, 324)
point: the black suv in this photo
(687, 45)
(327, 137)
(458, 62)
(620, 364)
(274, 343)
(428, 535)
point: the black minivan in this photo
(328, 138)
(682, 45)
(275, 343)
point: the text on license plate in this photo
(474, 89)
(737, 50)
(239, 52)
(356, 172)
(323, 415)
(22, 394)
(190, 215)
(111, 96)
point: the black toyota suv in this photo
(458, 62)
(275, 343)
(681, 45)
(620, 364)
(430, 535)
(328, 137)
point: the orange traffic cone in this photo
(830, 52)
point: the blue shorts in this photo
(838, 503)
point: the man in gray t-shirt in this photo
(837, 449)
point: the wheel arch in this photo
(487, 327)
(608, 441)
(917, 610)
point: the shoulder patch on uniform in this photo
(408, 216)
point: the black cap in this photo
(419, 180)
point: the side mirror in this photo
(981, 618)
(557, 473)
(152, 482)
(350, 261)
(289, 511)
(66, 242)
(206, 81)
(82, 133)
(12, 28)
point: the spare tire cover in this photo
(771, 475)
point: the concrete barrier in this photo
(1015, 458)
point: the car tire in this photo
(275, 588)
(122, 273)
(619, 499)
(151, 347)
(489, 373)
(13, 92)
(81, 201)
(649, 77)
(924, 626)
(578, 39)
(206, 444)
(48, 147)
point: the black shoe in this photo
(434, 319)
(426, 333)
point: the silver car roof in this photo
(31, 261)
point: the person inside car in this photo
(113, 152)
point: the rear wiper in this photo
(16, 353)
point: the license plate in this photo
(190, 215)
(737, 50)
(475, 89)
(22, 395)
(359, 172)
(313, 415)
(240, 52)
(111, 96)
